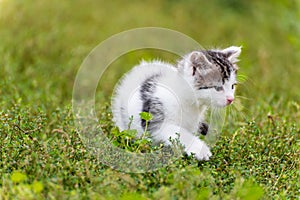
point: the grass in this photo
(42, 45)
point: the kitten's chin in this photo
(219, 105)
(216, 104)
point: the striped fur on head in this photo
(211, 68)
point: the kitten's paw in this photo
(200, 150)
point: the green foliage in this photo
(17, 177)
(42, 46)
(146, 116)
(16, 186)
(250, 191)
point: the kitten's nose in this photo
(229, 100)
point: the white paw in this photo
(199, 149)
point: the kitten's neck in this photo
(201, 106)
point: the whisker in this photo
(241, 78)
(244, 79)
(241, 112)
(242, 97)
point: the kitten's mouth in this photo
(222, 105)
(229, 102)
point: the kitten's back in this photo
(127, 99)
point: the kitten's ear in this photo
(198, 57)
(194, 63)
(232, 53)
(199, 60)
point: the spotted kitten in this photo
(177, 97)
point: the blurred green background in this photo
(43, 43)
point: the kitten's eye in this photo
(233, 86)
(219, 88)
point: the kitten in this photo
(177, 97)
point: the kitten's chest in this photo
(188, 117)
(192, 117)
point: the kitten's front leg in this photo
(200, 150)
(203, 128)
(192, 144)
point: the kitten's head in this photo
(212, 74)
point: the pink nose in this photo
(229, 100)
